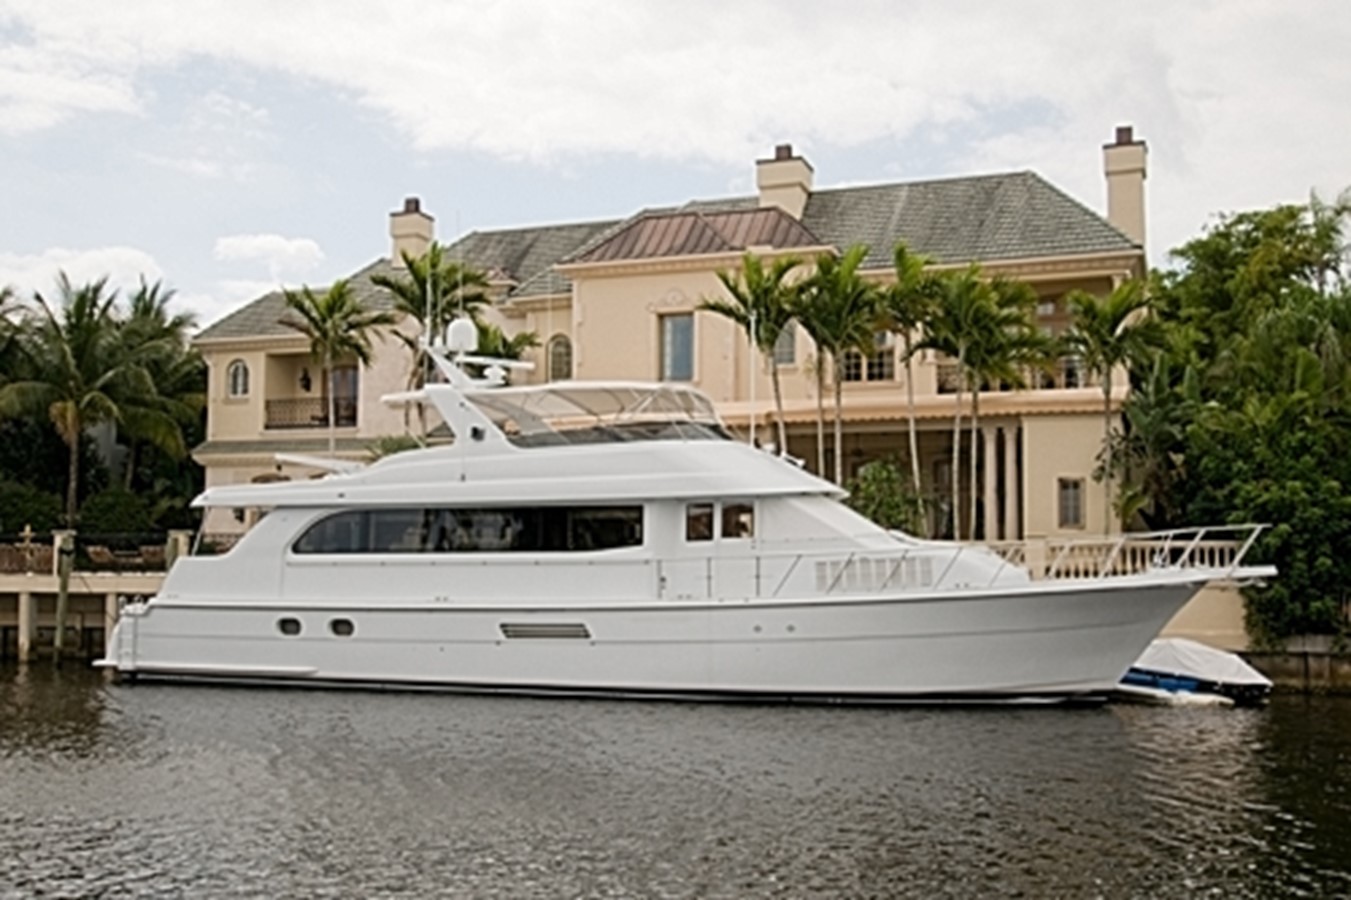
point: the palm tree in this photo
(338, 327)
(953, 327)
(493, 342)
(9, 333)
(176, 369)
(80, 374)
(1005, 344)
(906, 306)
(435, 291)
(838, 309)
(762, 304)
(1105, 333)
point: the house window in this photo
(1070, 494)
(879, 365)
(785, 348)
(1073, 369)
(853, 365)
(237, 379)
(560, 358)
(677, 347)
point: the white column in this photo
(990, 529)
(1012, 493)
(27, 625)
(109, 614)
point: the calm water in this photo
(172, 791)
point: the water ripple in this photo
(166, 791)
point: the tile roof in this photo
(524, 254)
(262, 317)
(692, 232)
(987, 217)
(956, 220)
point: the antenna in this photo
(754, 359)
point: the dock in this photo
(105, 572)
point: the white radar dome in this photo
(462, 337)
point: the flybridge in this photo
(483, 411)
(599, 412)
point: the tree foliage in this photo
(839, 311)
(116, 511)
(1245, 414)
(339, 328)
(760, 300)
(880, 492)
(79, 362)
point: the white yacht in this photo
(612, 538)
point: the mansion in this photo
(618, 300)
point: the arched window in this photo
(560, 358)
(237, 379)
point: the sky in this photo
(228, 148)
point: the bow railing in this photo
(1220, 548)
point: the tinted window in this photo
(476, 530)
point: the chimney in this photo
(784, 181)
(1123, 162)
(410, 231)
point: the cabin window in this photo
(237, 378)
(343, 533)
(1070, 492)
(677, 347)
(738, 520)
(699, 522)
(785, 346)
(548, 529)
(560, 358)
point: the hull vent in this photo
(552, 630)
(861, 574)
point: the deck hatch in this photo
(521, 630)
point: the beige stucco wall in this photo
(1214, 617)
(1054, 447)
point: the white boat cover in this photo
(1179, 656)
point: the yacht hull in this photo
(1044, 640)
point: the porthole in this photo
(288, 626)
(341, 627)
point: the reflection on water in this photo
(173, 790)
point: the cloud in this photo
(1238, 99)
(219, 137)
(124, 268)
(286, 258)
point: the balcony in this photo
(1067, 373)
(309, 412)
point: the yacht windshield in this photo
(591, 413)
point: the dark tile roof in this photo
(957, 220)
(525, 253)
(1015, 215)
(690, 233)
(262, 317)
